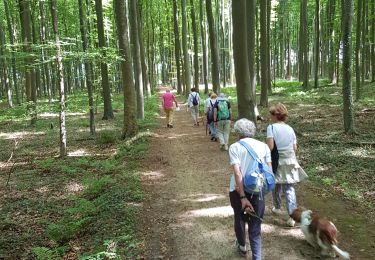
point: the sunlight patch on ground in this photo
(359, 152)
(79, 152)
(74, 187)
(204, 197)
(43, 189)
(153, 175)
(16, 135)
(133, 204)
(9, 164)
(211, 212)
(279, 231)
(55, 115)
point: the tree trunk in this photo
(317, 43)
(347, 17)
(29, 71)
(63, 137)
(195, 40)
(177, 46)
(13, 59)
(304, 46)
(357, 51)
(186, 68)
(263, 54)
(108, 112)
(136, 59)
(204, 46)
(89, 80)
(241, 35)
(3, 65)
(214, 48)
(146, 80)
(373, 40)
(130, 113)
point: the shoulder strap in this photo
(249, 149)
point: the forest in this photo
(79, 107)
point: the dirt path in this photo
(186, 209)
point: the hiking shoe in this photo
(241, 249)
(212, 138)
(290, 222)
(170, 126)
(276, 211)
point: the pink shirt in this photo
(168, 99)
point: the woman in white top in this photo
(281, 139)
(193, 105)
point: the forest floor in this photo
(186, 213)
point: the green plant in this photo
(107, 137)
(94, 187)
(44, 253)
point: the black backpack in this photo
(195, 100)
(210, 113)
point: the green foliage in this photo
(44, 253)
(66, 229)
(107, 137)
(94, 187)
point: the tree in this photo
(60, 68)
(347, 18)
(204, 46)
(263, 54)
(317, 44)
(195, 41)
(177, 46)
(85, 45)
(108, 112)
(185, 49)
(246, 100)
(304, 46)
(136, 58)
(358, 50)
(130, 114)
(214, 48)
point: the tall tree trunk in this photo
(63, 137)
(263, 54)
(136, 58)
(108, 112)
(177, 46)
(242, 60)
(373, 40)
(317, 44)
(331, 40)
(357, 51)
(186, 68)
(214, 48)
(130, 113)
(204, 46)
(6, 79)
(29, 73)
(89, 81)
(195, 40)
(304, 46)
(13, 59)
(146, 80)
(347, 17)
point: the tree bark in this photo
(136, 59)
(89, 80)
(263, 54)
(146, 80)
(108, 112)
(245, 96)
(214, 48)
(186, 65)
(177, 46)
(195, 41)
(63, 137)
(347, 17)
(204, 46)
(304, 46)
(317, 43)
(357, 51)
(130, 113)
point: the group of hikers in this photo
(278, 152)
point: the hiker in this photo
(222, 119)
(209, 111)
(193, 105)
(167, 102)
(282, 142)
(253, 204)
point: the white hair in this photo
(245, 128)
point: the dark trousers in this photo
(254, 225)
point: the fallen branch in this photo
(10, 158)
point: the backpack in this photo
(258, 178)
(222, 110)
(210, 113)
(274, 155)
(195, 100)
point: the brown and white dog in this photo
(319, 232)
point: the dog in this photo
(319, 232)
